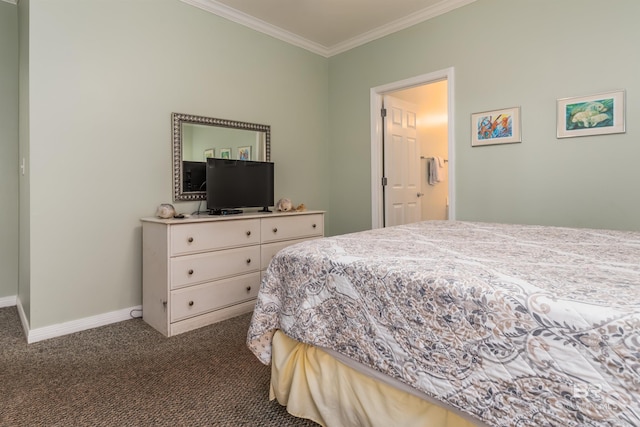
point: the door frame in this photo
(376, 95)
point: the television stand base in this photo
(225, 211)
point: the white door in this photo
(401, 163)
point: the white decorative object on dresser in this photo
(201, 270)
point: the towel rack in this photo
(429, 158)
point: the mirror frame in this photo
(177, 119)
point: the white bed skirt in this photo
(314, 385)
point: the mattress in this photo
(509, 324)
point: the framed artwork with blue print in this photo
(598, 114)
(496, 127)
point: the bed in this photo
(497, 324)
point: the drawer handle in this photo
(248, 260)
(248, 289)
(314, 226)
(249, 233)
(190, 272)
(190, 240)
(190, 303)
(275, 229)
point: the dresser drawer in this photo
(199, 299)
(292, 227)
(200, 237)
(271, 249)
(192, 269)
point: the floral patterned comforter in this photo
(514, 325)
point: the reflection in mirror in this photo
(195, 138)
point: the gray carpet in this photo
(127, 374)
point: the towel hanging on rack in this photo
(435, 166)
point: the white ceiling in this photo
(328, 27)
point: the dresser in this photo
(203, 269)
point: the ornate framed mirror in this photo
(197, 137)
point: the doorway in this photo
(435, 198)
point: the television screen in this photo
(193, 175)
(238, 184)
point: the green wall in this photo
(506, 53)
(104, 78)
(99, 80)
(8, 150)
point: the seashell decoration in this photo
(165, 210)
(284, 205)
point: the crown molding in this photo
(400, 24)
(327, 51)
(258, 25)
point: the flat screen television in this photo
(233, 184)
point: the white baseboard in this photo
(47, 332)
(8, 301)
(23, 319)
(40, 334)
